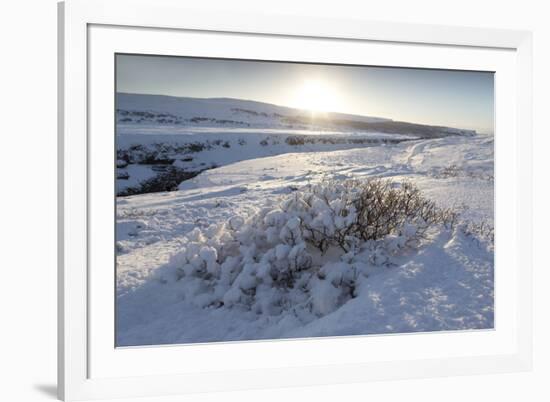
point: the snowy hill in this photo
(219, 110)
(170, 110)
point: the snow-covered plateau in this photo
(263, 238)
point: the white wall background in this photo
(28, 198)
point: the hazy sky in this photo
(453, 98)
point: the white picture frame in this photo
(90, 367)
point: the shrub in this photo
(196, 147)
(295, 140)
(311, 249)
(370, 210)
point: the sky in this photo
(463, 99)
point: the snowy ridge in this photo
(251, 113)
(229, 112)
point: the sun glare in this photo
(316, 96)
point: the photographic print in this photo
(264, 200)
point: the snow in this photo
(225, 145)
(182, 253)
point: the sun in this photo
(316, 96)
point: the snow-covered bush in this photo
(311, 249)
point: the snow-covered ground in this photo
(446, 283)
(222, 146)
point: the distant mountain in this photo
(171, 110)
